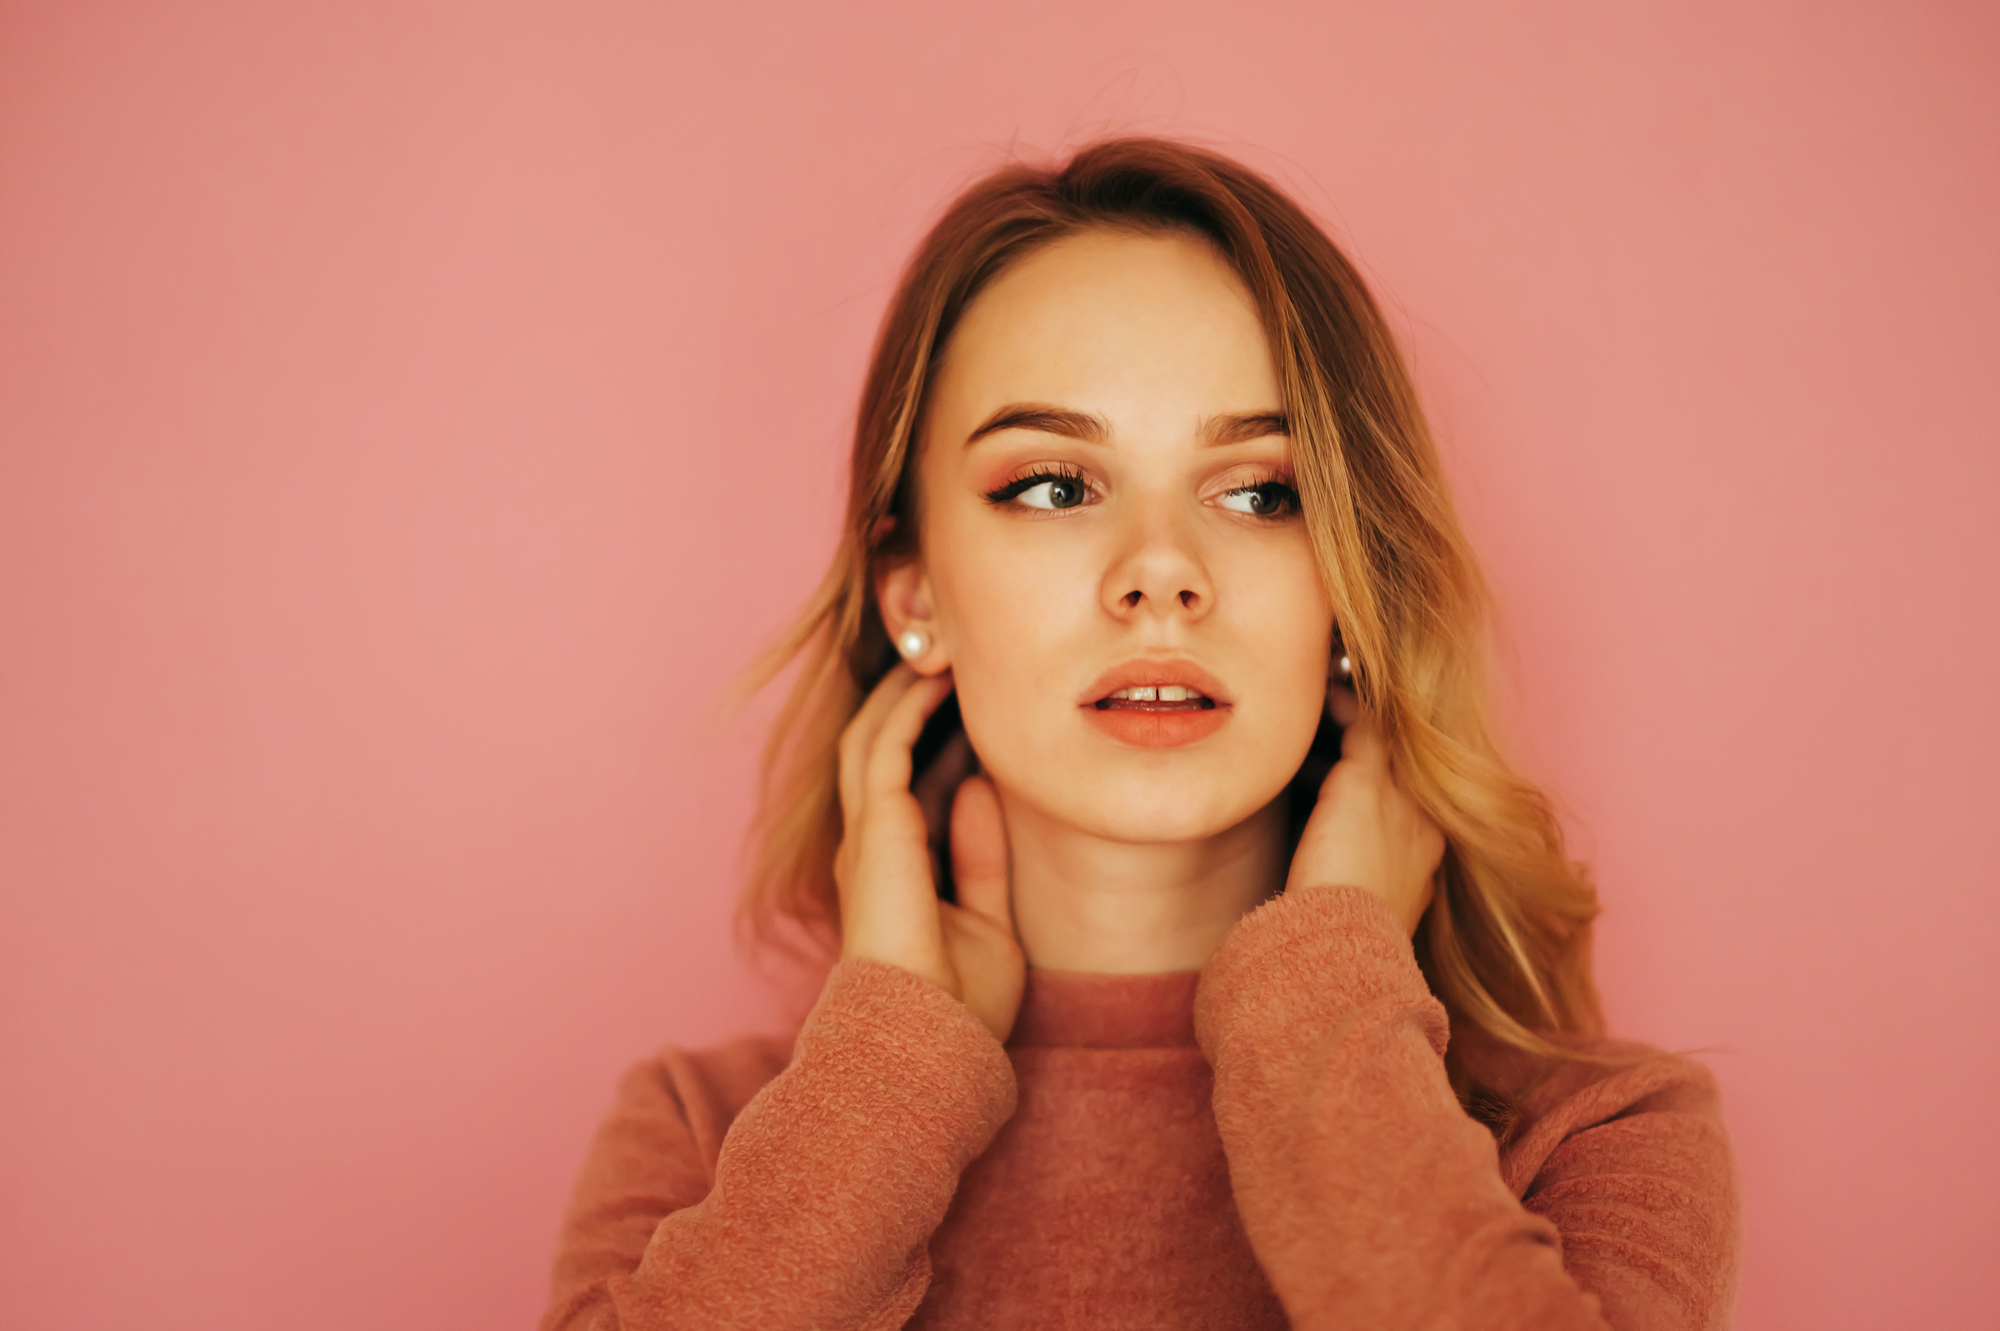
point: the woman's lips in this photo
(1156, 704)
(1157, 727)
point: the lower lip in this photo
(1165, 728)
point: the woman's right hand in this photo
(889, 907)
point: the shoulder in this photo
(1658, 1095)
(1623, 1148)
(723, 1075)
(663, 1133)
(699, 1091)
(655, 1152)
(873, 1027)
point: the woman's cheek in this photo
(1008, 713)
(1286, 610)
(1007, 669)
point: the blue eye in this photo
(1269, 499)
(1059, 493)
(1047, 489)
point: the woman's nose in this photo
(1159, 571)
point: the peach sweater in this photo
(1269, 1142)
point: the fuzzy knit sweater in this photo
(1268, 1142)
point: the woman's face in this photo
(1113, 565)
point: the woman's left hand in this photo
(1366, 831)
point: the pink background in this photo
(411, 415)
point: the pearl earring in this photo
(913, 643)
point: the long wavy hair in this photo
(1505, 943)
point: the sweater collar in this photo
(1078, 1010)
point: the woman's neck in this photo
(1082, 903)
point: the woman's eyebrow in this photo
(1049, 420)
(1219, 430)
(1215, 431)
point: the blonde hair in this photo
(1505, 945)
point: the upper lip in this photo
(1156, 671)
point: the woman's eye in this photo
(1050, 489)
(1271, 499)
(1060, 492)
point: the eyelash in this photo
(1020, 485)
(1287, 494)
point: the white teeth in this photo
(1158, 693)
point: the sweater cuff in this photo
(1303, 961)
(910, 1054)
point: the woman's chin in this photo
(1151, 829)
(1075, 776)
(1143, 812)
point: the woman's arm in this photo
(817, 1208)
(1371, 1199)
(825, 1190)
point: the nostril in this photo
(1133, 598)
(1187, 598)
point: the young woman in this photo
(1143, 1016)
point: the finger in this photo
(888, 764)
(979, 852)
(875, 708)
(859, 734)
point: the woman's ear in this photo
(903, 591)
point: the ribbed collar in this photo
(1078, 1010)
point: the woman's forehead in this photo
(1128, 327)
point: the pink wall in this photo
(412, 414)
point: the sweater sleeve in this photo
(1371, 1199)
(821, 1200)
